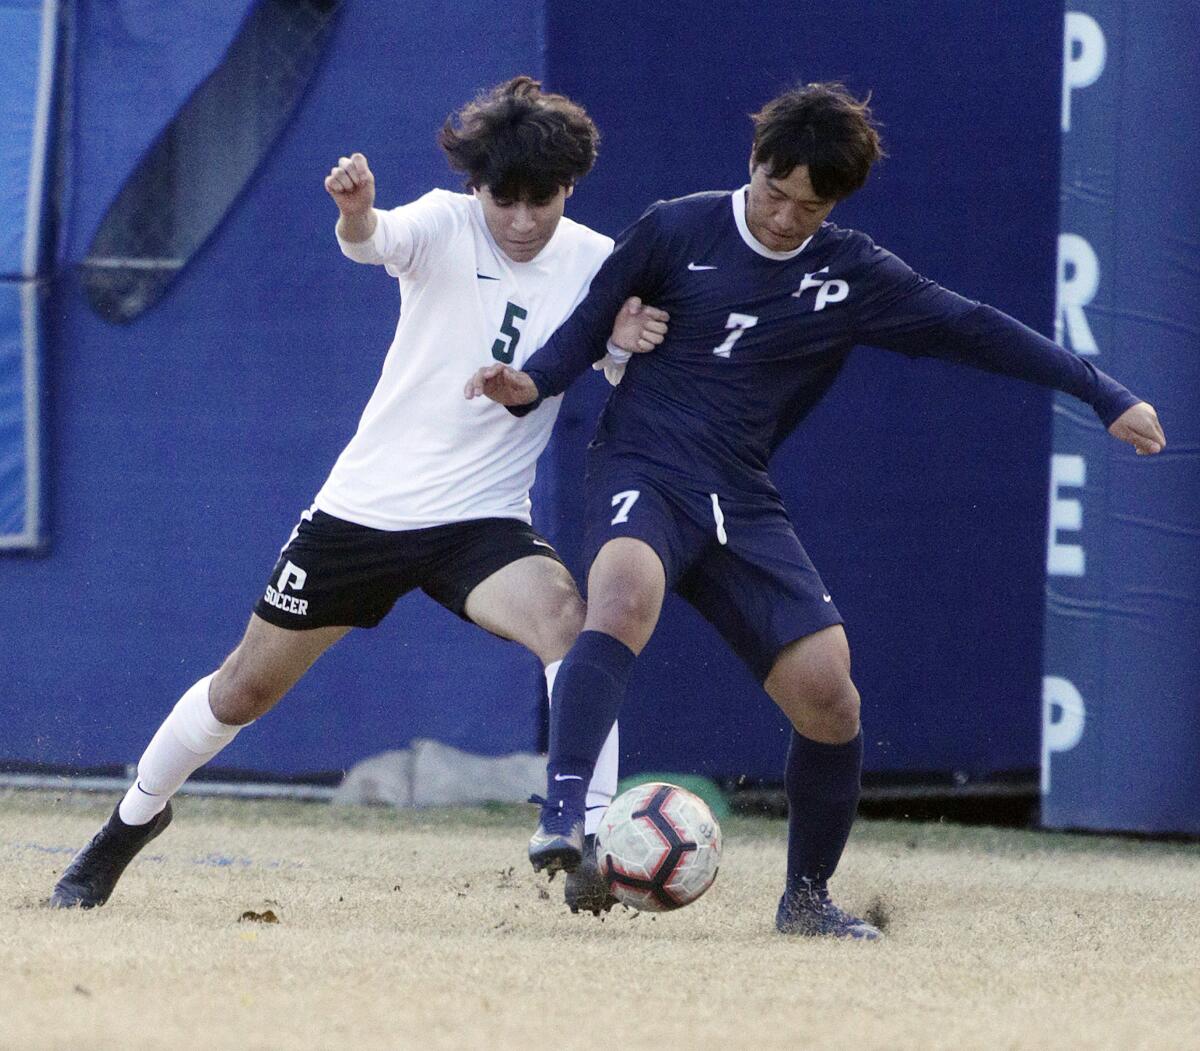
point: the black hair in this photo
(824, 127)
(520, 142)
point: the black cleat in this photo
(586, 890)
(808, 910)
(94, 871)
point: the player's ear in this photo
(570, 190)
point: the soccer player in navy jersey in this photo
(766, 299)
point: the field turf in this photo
(428, 930)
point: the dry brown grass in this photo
(428, 931)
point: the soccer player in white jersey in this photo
(433, 491)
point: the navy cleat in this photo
(92, 875)
(808, 910)
(586, 889)
(557, 845)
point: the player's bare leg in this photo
(267, 663)
(811, 683)
(264, 666)
(626, 586)
(534, 601)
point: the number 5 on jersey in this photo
(504, 349)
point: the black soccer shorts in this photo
(338, 573)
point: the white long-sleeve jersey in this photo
(423, 454)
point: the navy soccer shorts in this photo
(338, 573)
(737, 560)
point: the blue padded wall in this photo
(29, 31)
(186, 443)
(1122, 666)
(918, 488)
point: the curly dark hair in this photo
(823, 126)
(520, 142)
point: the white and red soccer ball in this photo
(658, 847)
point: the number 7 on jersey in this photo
(737, 324)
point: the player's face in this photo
(784, 213)
(522, 228)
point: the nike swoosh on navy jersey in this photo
(694, 266)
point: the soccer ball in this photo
(658, 847)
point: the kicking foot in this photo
(92, 875)
(808, 910)
(557, 845)
(586, 890)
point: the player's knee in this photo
(819, 697)
(834, 700)
(560, 622)
(623, 610)
(237, 699)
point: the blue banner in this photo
(1121, 721)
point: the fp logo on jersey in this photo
(831, 291)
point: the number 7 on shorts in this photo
(626, 500)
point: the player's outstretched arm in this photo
(352, 186)
(1139, 426)
(502, 384)
(639, 328)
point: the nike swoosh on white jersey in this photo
(567, 777)
(486, 277)
(696, 266)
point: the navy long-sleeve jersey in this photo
(756, 337)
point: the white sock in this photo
(189, 738)
(603, 785)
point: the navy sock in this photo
(588, 693)
(823, 783)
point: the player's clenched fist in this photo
(639, 328)
(352, 187)
(1139, 426)
(351, 184)
(502, 384)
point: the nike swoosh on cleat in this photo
(567, 777)
(696, 266)
(542, 543)
(486, 277)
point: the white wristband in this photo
(617, 354)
